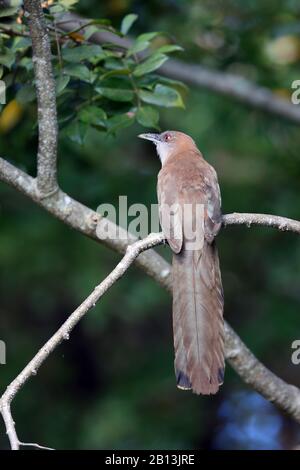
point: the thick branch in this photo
(85, 220)
(64, 331)
(45, 89)
(232, 86)
(275, 221)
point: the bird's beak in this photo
(153, 137)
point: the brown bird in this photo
(190, 216)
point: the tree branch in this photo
(267, 220)
(255, 374)
(85, 221)
(46, 98)
(45, 192)
(285, 396)
(64, 331)
(232, 86)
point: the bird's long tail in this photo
(198, 320)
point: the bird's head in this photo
(169, 142)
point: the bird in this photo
(187, 180)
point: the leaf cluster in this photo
(107, 87)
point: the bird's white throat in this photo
(163, 151)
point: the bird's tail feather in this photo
(198, 320)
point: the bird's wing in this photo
(170, 211)
(213, 220)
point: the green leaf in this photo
(162, 96)
(89, 31)
(26, 94)
(150, 64)
(8, 11)
(20, 44)
(93, 115)
(127, 22)
(68, 3)
(8, 58)
(142, 42)
(61, 83)
(76, 131)
(113, 64)
(148, 116)
(119, 121)
(148, 36)
(102, 21)
(90, 28)
(180, 86)
(169, 48)
(78, 71)
(114, 73)
(79, 53)
(26, 62)
(15, 3)
(137, 47)
(116, 94)
(54, 9)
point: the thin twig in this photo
(10, 31)
(64, 331)
(34, 444)
(59, 56)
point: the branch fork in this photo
(45, 192)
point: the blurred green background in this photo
(112, 385)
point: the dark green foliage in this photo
(97, 78)
(112, 384)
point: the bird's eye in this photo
(167, 137)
